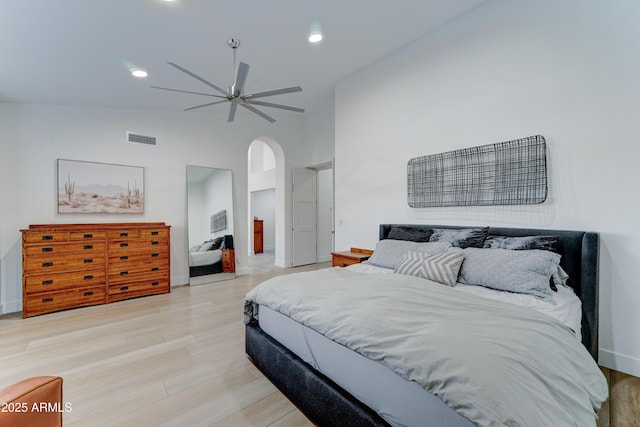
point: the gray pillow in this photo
(525, 272)
(545, 243)
(388, 253)
(442, 267)
(206, 246)
(406, 232)
(460, 237)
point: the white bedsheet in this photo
(197, 259)
(567, 307)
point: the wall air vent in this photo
(136, 138)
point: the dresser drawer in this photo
(45, 236)
(129, 246)
(87, 235)
(55, 282)
(44, 265)
(60, 300)
(144, 285)
(123, 259)
(94, 248)
(132, 233)
(154, 233)
(134, 273)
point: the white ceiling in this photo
(78, 52)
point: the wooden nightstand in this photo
(354, 256)
(228, 261)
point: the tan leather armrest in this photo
(31, 402)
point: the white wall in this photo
(319, 136)
(33, 136)
(565, 69)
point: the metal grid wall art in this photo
(218, 221)
(506, 173)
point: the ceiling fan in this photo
(235, 94)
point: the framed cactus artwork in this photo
(99, 188)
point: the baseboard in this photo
(619, 362)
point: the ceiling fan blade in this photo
(205, 105)
(232, 112)
(197, 77)
(241, 79)
(188, 91)
(258, 112)
(269, 104)
(274, 92)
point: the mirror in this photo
(210, 221)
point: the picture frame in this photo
(99, 188)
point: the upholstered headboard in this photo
(579, 260)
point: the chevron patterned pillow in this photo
(442, 268)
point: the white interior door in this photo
(304, 216)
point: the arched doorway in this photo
(266, 205)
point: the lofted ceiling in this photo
(79, 52)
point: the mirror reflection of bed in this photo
(210, 219)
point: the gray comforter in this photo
(494, 363)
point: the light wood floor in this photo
(176, 359)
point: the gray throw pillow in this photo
(442, 267)
(388, 253)
(545, 243)
(460, 237)
(407, 232)
(525, 272)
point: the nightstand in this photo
(228, 261)
(353, 256)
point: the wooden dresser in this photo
(73, 265)
(258, 236)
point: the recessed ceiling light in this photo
(137, 72)
(315, 37)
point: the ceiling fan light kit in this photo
(235, 94)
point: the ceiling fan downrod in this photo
(233, 44)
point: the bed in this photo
(334, 384)
(206, 258)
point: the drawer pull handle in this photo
(154, 255)
(88, 294)
(47, 282)
(88, 260)
(88, 277)
(124, 257)
(47, 237)
(87, 247)
(88, 236)
(124, 273)
(154, 233)
(47, 299)
(155, 243)
(124, 245)
(124, 234)
(124, 288)
(155, 269)
(47, 249)
(155, 283)
(47, 264)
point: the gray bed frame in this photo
(327, 404)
